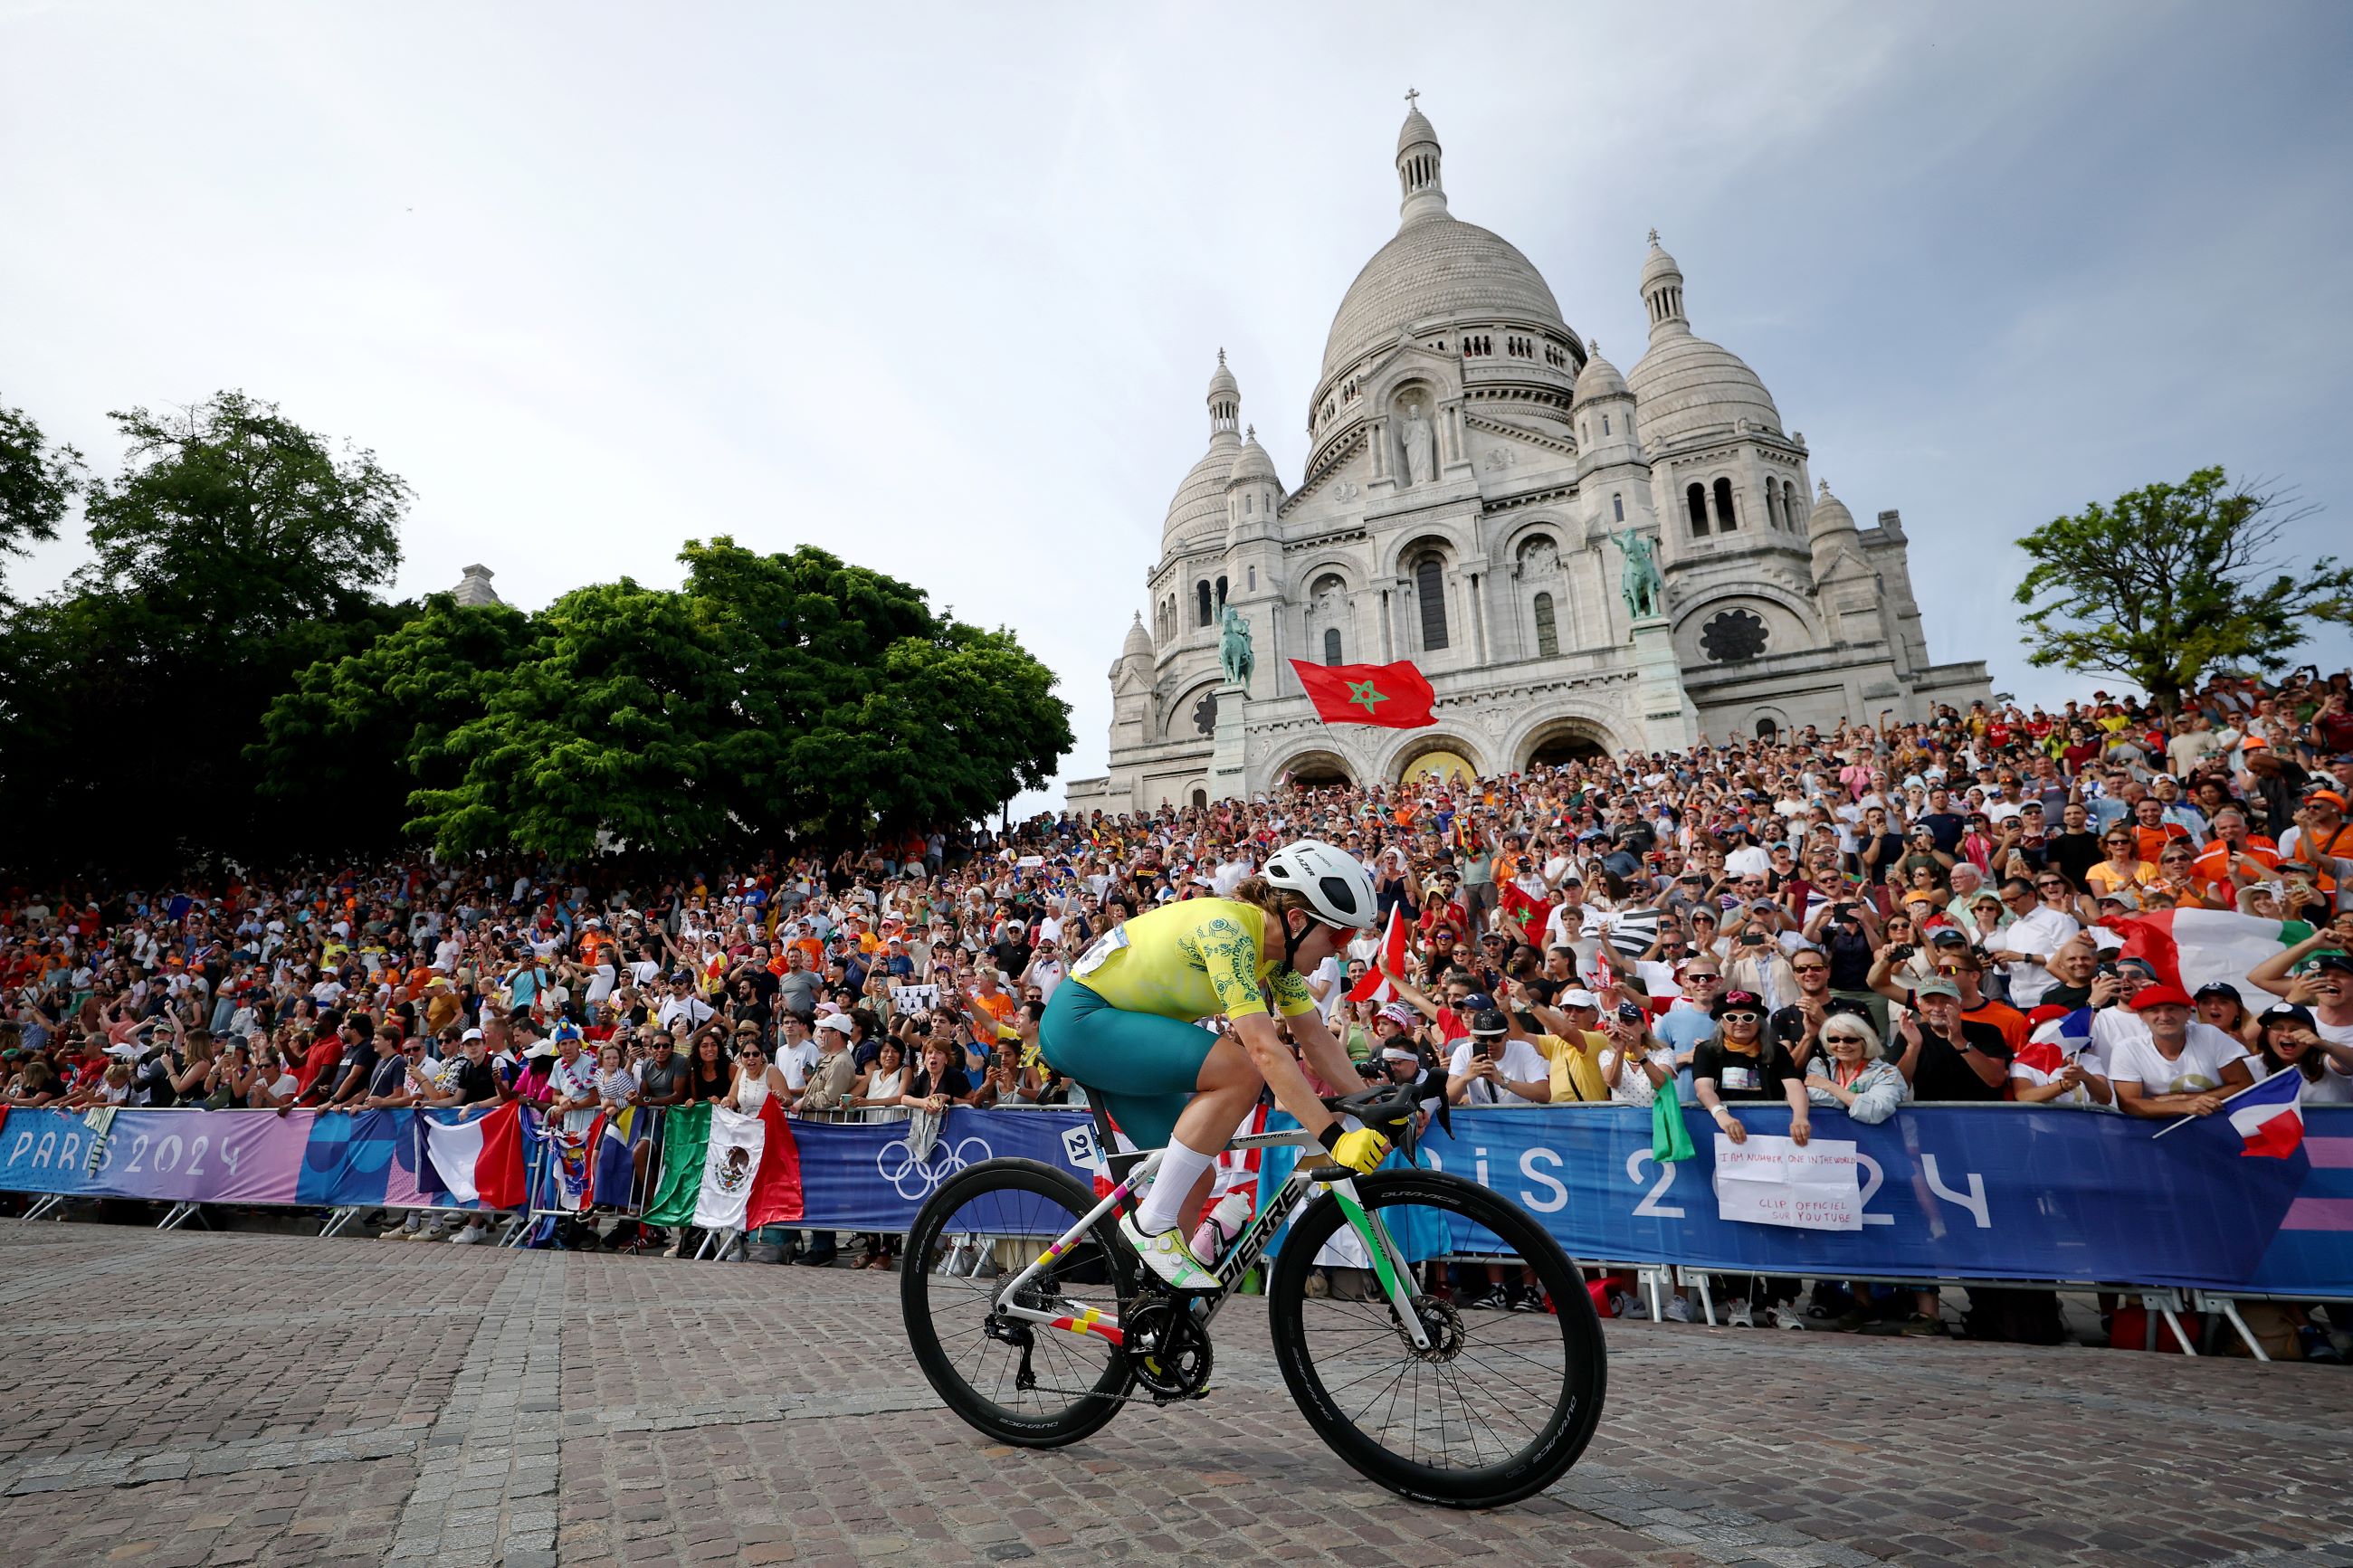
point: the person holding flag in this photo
(2162, 1063)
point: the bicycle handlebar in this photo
(1392, 1104)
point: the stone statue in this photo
(1419, 439)
(1234, 649)
(1646, 593)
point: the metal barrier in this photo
(1587, 1172)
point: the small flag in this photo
(2269, 1116)
(1391, 695)
(1525, 915)
(1375, 986)
(2266, 1115)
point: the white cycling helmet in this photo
(1335, 883)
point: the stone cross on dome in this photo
(1410, 94)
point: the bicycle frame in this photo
(1390, 1265)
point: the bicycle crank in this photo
(1172, 1356)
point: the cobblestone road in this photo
(183, 1399)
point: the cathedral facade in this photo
(1477, 475)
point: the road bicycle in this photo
(1036, 1322)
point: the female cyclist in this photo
(1123, 1024)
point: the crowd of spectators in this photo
(1882, 914)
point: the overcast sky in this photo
(939, 288)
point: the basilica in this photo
(1581, 559)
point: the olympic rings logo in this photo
(914, 1179)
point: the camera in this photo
(1901, 953)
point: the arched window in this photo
(1331, 645)
(1200, 800)
(1726, 519)
(1203, 612)
(1773, 518)
(1222, 593)
(1696, 500)
(1767, 729)
(1430, 588)
(1789, 504)
(1548, 632)
(1605, 425)
(1253, 579)
(1618, 509)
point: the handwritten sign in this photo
(906, 999)
(1772, 1181)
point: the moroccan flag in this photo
(751, 1170)
(1522, 913)
(1393, 696)
(1374, 986)
(474, 1155)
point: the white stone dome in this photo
(1199, 504)
(1686, 385)
(1437, 267)
(1829, 514)
(1139, 641)
(1253, 463)
(1416, 131)
(1599, 379)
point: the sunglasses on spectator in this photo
(1742, 1016)
(1808, 968)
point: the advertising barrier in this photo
(2012, 1193)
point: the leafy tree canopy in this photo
(233, 549)
(783, 695)
(2171, 581)
(38, 483)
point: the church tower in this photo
(1254, 556)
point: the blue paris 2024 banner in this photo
(1995, 1192)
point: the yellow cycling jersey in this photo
(1190, 958)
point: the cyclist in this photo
(1123, 1024)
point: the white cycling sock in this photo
(1172, 1183)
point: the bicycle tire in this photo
(918, 1285)
(1569, 1424)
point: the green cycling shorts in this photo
(1140, 1067)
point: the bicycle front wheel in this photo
(1498, 1406)
(1018, 1380)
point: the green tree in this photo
(233, 549)
(354, 737)
(773, 697)
(2168, 582)
(37, 484)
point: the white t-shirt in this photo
(794, 1062)
(2127, 1055)
(1520, 1062)
(2040, 932)
(1633, 1086)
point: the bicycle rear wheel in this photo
(1018, 1380)
(1502, 1404)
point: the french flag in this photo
(2268, 1117)
(1374, 986)
(474, 1155)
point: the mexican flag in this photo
(723, 1170)
(2190, 948)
